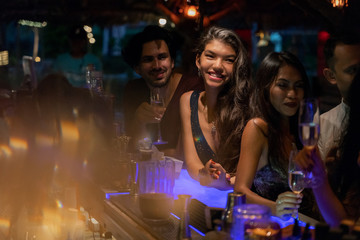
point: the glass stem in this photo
(159, 132)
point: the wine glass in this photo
(296, 175)
(158, 102)
(309, 126)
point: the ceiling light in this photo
(191, 11)
(339, 3)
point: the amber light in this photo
(339, 3)
(191, 11)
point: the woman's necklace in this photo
(213, 129)
(213, 126)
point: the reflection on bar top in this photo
(211, 197)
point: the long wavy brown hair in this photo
(232, 109)
(262, 107)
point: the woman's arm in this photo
(253, 156)
(253, 146)
(211, 174)
(192, 161)
(330, 206)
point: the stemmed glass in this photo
(309, 125)
(158, 102)
(296, 175)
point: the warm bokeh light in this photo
(17, 143)
(339, 3)
(85, 162)
(87, 28)
(37, 59)
(90, 35)
(32, 23)
(191, 11)
(69, 131)
(92, 40)
(5, 151)
(4, 223)
(162, 21)
(75, 112)
(4, 58)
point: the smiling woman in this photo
(216, 63)
(211, 144)
(280, 84)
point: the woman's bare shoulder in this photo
(260, 124)
(185, 97)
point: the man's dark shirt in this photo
(136, 92)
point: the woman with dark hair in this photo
(280, 84)
(213, 120)
(337, 191)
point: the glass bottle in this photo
(252, 221)
(233, 199)
(307, 234)
(184, 232)
(296, 231)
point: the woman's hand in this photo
(287, 204)
(304, 160)
(309, 160)
(214, 175)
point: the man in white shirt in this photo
(73, 64)
(342, 54)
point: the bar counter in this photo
(123, 218)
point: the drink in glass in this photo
(158, 103)
(296, 181)
(309, 122)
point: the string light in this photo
(339, 3)
(4, 58)
(32, 23)
(162, 21)
(192, 11)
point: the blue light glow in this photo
(192, 227)
(196, 230)
(108, 195)
(175, 216)
(212, 197)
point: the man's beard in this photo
(160, 84)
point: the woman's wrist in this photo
(319, 183)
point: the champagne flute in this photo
(296, 176)
(158, 102)
(309, 126)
